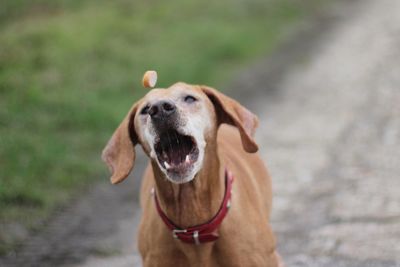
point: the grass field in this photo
(69, 71)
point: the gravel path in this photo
(329, 105)
(331, 138)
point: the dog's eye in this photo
(190, 99)
(145, 110)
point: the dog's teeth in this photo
(167, 166)
(187, 160)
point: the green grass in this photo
(69, 71)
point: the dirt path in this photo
(331, 138)
(330, 134)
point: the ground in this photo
(331, 138)
(330, 135)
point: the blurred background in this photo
(70, 70)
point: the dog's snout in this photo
(162, 109)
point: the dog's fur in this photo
(223, 130)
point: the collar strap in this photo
(205, 232)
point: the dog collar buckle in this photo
(177, 231)
(196, 237)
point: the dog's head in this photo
(174, 126)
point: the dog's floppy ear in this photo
(231, 112)
(119, 153)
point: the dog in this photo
(206, 194)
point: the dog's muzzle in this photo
(176, 152)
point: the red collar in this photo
(203, 232)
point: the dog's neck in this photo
(197, 201)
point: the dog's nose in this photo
(162, 109)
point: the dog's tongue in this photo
(177, 152)
(175, 156)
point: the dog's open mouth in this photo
(176, 152)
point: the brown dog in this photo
(180, 129)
